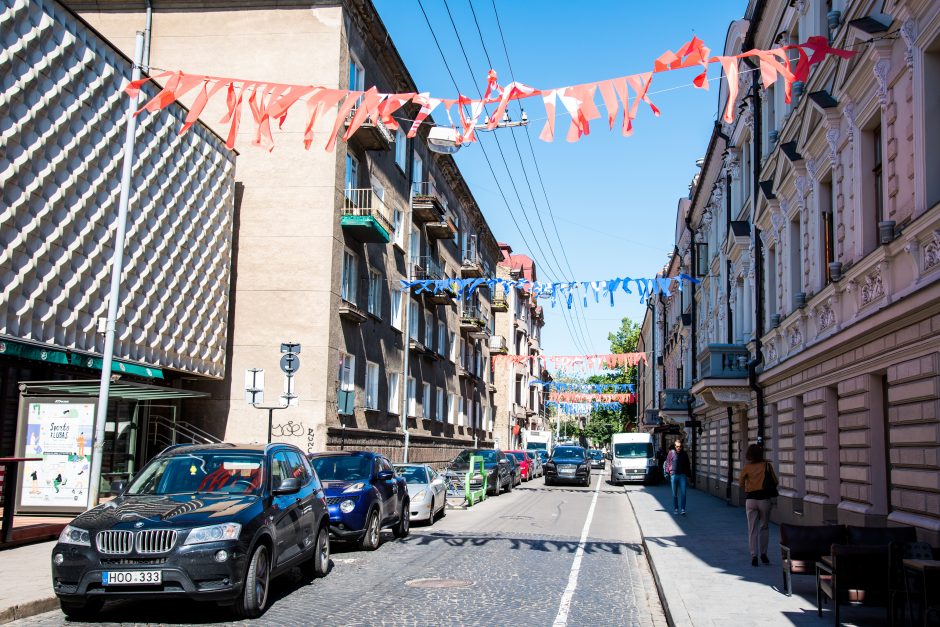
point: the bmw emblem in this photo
(138, 525)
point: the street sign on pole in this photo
(290, 363)
(290, 347)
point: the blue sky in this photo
(613, 198)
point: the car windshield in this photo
(568, 451)
(343, 467)
(518, 456)
(633, 449)
(488, 455)
(538, 445)
(596, 455)
(209, 471)
(413, 474)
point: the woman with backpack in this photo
(759, 483)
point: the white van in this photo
(632, 458)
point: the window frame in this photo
(346, 395)
(394, 393)
(348, 284)
(374, 301)
(372, 385)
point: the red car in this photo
(524, 465)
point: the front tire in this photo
(372, 536)
(510, 484)
(254, 596)
(81, 610)
(403, 528)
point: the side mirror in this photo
(118, 486)
(288, 486)
(385, 475)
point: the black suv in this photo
(211, 522)
(499, 472)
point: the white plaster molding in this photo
(812, 168)
(796, 337)
(881, 69)
(849, 113)
(873, 288)
(908, 34)
(832, 138)
(732, 163)
(932, 251)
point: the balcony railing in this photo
(472, 265)
(724, 361)
(426, 205)
(428, 268)
(672, 399)
(445, 228)
(498, 345)
(365, 216)
(471, 318)
(499, 303)
(371, 135)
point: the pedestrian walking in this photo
(759, 483)
(678, 468)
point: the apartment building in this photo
(324, 238)
(520, 405)
(61, 157)
(814, 227)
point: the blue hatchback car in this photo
(363, 495)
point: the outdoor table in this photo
(11, 469)
(923, 577)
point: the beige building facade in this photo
(323, 240)
(815, 230)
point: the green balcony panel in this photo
(366, 229)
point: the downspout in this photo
(148, 27)
(693, 261)
(758, 268)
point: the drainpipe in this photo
(730, 455)
(758, 265)
(693, 261)
(148, 26)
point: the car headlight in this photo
(74, 535)
(347, 506)
(214, 533)
(356, 487)
(419, 496)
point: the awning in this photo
(55, 355)
(124, 390)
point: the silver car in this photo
(426, 490)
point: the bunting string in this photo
(600, 388)
(270, 102)
(578, 397)
(584, 362)
(582, 409)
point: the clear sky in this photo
(613, 198)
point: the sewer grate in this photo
(433, 582)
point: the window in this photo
(375, 293)
(372, 385)
(451, 409)
(398, 227)
(347, 384)
(378, 189)
(796, 260)
(394, 400)
(872, 200)
(417, 174)
(771, 276)
(357, 76)
(877, 181)
(413, 316)
(352, 175)
(931, 122)
(452, 343)
(426, 400)
(461, 415)
(518, 389)
(412, 401)
(348, 292)
(397, 298)
(827, 237)
(429, 330)
(441, 338)
(415, 245)
(439, 405)
(401, 149)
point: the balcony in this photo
(498, 345)
(429, 268)
(471, 319)
(472, 266)
(723, 376)
(370, 135)
(674, 402)
(351, 312)
(365, 217)
(499, 303)
(442, 229)
(426, 205)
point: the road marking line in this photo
(561, 619)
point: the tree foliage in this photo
(602, 423)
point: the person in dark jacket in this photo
(757, 500)
(678, 468)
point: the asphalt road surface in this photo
(559, 555)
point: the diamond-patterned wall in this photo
(61, 137)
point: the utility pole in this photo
(117, 268)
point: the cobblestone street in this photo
(511, 555)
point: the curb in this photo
(30, 608)
(659, 585)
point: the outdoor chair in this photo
(802, 546)
(858, 575)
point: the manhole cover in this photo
(439, 583)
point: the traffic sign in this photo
(290, 363)
(290, 347)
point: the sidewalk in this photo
(26, 573)
(703, 570)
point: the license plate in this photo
(566, 471)
(131, 577)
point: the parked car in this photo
(535, 464)
(525, 465)
(426, 490)
(499, 473)
(568, 463)
(208, 522)
(364, 495)
(543, 456)
(598, 460)
(515, 469)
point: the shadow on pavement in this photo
(524, 544)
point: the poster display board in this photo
(60, 431)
